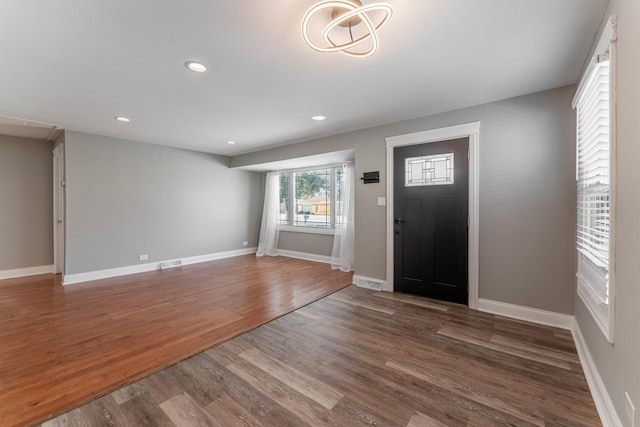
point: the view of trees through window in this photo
(308, 198)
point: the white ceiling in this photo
(78, 64)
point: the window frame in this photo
(290, 227)
(602, 313)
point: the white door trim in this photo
(472, 130)
(58, 209)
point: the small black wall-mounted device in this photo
(371, 177)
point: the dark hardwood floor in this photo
(63, 346)
(359, 357)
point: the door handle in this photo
(398, 220)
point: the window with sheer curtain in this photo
(595, 169)
(315, 200)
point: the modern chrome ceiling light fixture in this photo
(345, 26)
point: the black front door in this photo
(431, 185)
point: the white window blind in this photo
(595, 102)
(593, 170)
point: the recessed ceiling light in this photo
(231, 142)
(195, 66)
(123, 119)
(318, 118)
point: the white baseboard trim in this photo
(152, 266)
(218, 255)
(304, 255)
(70, 279)
(601, 398)
(26, 271)
(369, 283)
(543, 317)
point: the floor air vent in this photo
(374, 285)
(170, 264)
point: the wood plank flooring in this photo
(364, 358)
(63, 346)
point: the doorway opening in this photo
(431, 218)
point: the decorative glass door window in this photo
(436, 169)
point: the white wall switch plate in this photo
(143, 257)
(382, 201)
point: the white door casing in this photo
(471, 130)
(58, 210)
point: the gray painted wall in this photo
(318, 244)
(527, 194)
(26, 210)
(619, 364)
(126, 198)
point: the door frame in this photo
(472, 131)
(59, 219)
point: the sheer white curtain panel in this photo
(269, 229)
(343, 241)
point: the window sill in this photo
(308, 230)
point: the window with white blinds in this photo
(595, 169)
(594, 183)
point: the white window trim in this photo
(471, 130)
(604, 315)
(308, 230)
